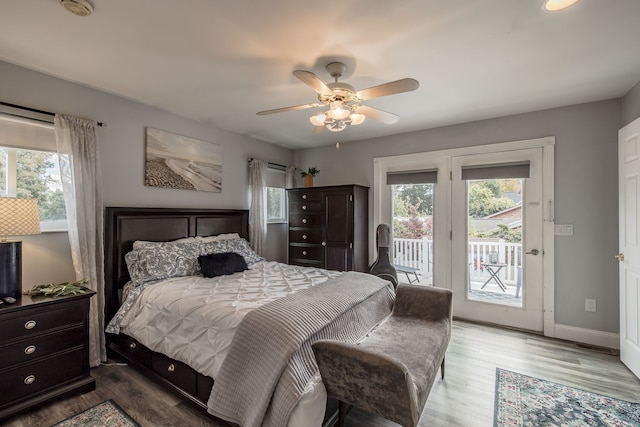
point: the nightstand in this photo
(44, 350)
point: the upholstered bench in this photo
(390, 372)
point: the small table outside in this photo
(494, 269)
(408, 270)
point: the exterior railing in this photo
(418, 253)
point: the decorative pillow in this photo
(163, 260)
(221, 264)
(140, 243)
(218, 237)
(239, 246)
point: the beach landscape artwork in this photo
(174, 161)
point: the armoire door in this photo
(338, 214)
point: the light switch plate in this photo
(563, 229)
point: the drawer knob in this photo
(304, 207)
(30, 349)
(30, 324)
(304, 197)
(304, 236)
(304, 253)
(30, 379)
(324, 243)
(304, 220)
(171, 368)
(133, 345)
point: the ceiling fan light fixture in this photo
(337, 111)
(318, 120)
(555, 5)
(336, 126)
(356, 119)
(77, 7)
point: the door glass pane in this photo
(494, 241)
(412, 232)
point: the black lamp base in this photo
(10, 269)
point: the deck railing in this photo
(418, 253)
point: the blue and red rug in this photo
(105, 414)
(525, 401)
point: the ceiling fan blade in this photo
(376, 114)
(391, 88)
(313, 81)
(281, 110)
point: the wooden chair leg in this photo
(342, 414)
(442, 369)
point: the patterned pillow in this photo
(239, 246)
(140, 243)
(163, 260)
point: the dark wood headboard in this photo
(125, 225)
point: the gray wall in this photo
(121, 146)
(586, 189)
(631, 105)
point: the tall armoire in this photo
(328, 227)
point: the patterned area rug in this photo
(521, 400)
(105, 414)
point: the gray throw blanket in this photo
(270, 360)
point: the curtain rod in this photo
(250, 159)
(33, 110)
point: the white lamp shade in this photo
(318, 120)
(18, 217)
(554, 5)
(357, 119)
(337, 111)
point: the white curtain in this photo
(77, 141)
(258, 208)
(291, 177)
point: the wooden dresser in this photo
(44, 350)
(328, 227)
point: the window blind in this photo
(497, 171)
(426, 176)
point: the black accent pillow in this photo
(220, 264)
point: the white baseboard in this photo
(587, 336)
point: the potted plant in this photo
(307, 176)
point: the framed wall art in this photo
(174, 161)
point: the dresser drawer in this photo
(307, 253)
(304, 196)
(176, 372)
(305, 220)
(310, 236)
(40, 321)
(33, 378)
(39, 346)
(305, 207)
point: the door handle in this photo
(533, 252)
(619, 257)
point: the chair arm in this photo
(423, 302)
(349, 372)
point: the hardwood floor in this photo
(464, 398)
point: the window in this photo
(29, 169)
(276, 205)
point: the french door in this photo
(498, 277)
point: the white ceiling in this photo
(220, 62)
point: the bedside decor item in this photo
(105, 414)
(175, 161)
(57, 290)
(521, 400)
(307, 176)
(18, 217)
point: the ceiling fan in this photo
(344, 102)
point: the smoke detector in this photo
(77, 7)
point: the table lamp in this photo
(18, 217)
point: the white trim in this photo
(587, 336)
(382, 203)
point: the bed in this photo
(249, 362)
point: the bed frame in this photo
(123, 226)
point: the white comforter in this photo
(193, 319)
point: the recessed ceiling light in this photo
(77, 7)
(553, 5)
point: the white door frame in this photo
(442, 160)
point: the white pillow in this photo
(218, 237)
(140, 243)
